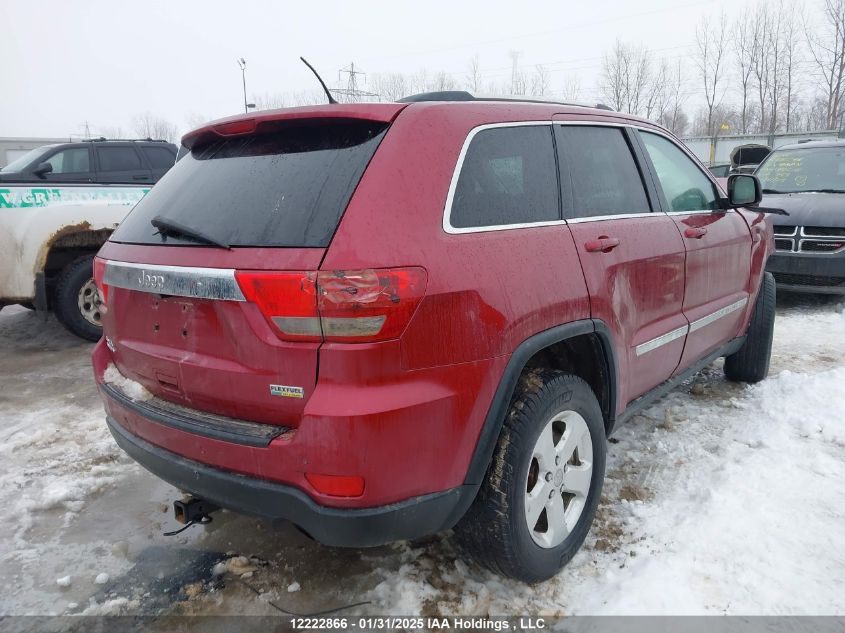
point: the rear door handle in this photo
(695, 233)
(140, 177)
(603, 244)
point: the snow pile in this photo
(55, 447)
(721, 498)
(753, 521)
(133, 389)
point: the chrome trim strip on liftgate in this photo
(179, 281)
(677, 333)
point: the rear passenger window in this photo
(159, 157)
(684, 184)
(507, 177)
(603, 177)
(118, 159)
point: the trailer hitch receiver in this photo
(192, 510)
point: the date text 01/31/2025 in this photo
(390, 623)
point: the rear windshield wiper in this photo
(167, 227)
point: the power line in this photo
(352, 92)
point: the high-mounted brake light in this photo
(99, 276)
(349, 306)
(244, 126)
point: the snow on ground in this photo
(721, 498)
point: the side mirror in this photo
(744, 190)
(42, 169)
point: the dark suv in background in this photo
(93, 161)
(379, 321)
(807, 180)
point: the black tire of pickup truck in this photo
(750, 363)
(494, 531)
(70, 283)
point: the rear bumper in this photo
(800, 272)
(357, 527)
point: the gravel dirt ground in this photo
(721, 498)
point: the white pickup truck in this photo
(49, 235)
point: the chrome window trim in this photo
(453, 183)
(178, 281)
(718, 314)
(618, 216)
(699, 212)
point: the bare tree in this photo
(722, 118)
(307, 97)
(711, 42)
(269, 101)
(540, 81)
(827, 48)
(473, 78)
(195, 120)
(791, 58)
(147, 125)
(572, 88)
(614, 81)
(418, 82)
(627, 80)
(390, 87)
(747, 34)
(518, 83)
(110, 131)
(442, 81)
(657, 97)
(673, 116)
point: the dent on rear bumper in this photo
(407, 438)
(364, 527)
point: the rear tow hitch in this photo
(192, 511)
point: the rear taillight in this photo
(99, 275)
(349, 306)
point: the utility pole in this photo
(352, 92)
(242, 64)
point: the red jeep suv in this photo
(379, 321)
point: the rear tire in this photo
(76, 300)
(534, 478)
(750, 363)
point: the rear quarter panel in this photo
(487, 292)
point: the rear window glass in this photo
(508, 177)
(287, 188)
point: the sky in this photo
(101, 63)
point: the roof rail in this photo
(463, 95)
(102, 139)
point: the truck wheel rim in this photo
(559, 478)
(88, 301)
